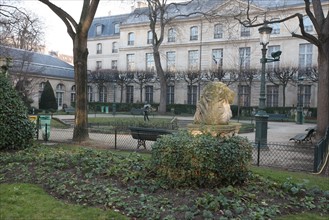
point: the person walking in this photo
(146, 112)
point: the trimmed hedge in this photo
(182, 159)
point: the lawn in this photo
(103, 180)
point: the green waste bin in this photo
(102, 109)
(44, 122)
(106, 109)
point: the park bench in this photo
(304, 137)
(278, 117)
(147, 134)
(140, 111)
(69, 110)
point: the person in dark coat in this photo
(146, 112)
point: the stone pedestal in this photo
(228, 130)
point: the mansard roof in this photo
(139, 15)
(108, 23)
(33, 63)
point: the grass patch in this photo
(26, 201)
(126, 182)
(281, 176)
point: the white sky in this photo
(56, 37)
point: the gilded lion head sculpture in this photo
(213, 107)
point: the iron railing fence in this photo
(320, 151)
(291, 156)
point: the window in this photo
(98, 65)
(275, 28)
(114, 64)
(218, 31)
(130, 61)
(171, 61)
(244, 95)
(150, 66)
(99, 48)
(149, 94)
(193, 59)
(170, 94)
(171, 35)
(131, 39)
(245, 31)
(41, 87)
(305, 55)
(272, 65)
(217, 56)
(129, 94)
(116, 28)
(272, 99)
(99, 30)
(73, 94)
(192, 94)
(308, 26)
(115, 47)
(304, 95)
(90, 93)
(194, 33)
(60, 95)
(149, 37)
(102, 94)
(244, 55)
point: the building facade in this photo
(199, 49)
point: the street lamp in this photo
(300, 116)
(261, 116)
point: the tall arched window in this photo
(194, 33)
(72, 94)
(103, 94)
(115, 47)
(90, 93)
(41, 87)
(60, 89)
(149, 37)
(131, 38)
(99, 48)
(171, 35)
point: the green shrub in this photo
(16, 129)
(202, 160)
(48, 100)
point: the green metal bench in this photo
(147, 134)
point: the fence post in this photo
(46, 131)
(316, 158)
(258, 153)
(115, 138)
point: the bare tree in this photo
(315, 10)
(161, 14)
(312, 73)
(141, 78)
(20, 28)
(78, 31)
(282, 76)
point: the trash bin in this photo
(44, 122)
(102, 109)
(106, 109)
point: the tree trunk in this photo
(80, 54)
(163, 82)
(323, 89)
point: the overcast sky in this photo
(56, 36)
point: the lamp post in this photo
(300, 116)
(261, 116)
(114, 100)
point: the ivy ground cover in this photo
(127, 184)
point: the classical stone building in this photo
(212, 48)
(32, 70)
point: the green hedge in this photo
(182, 159)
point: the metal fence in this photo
(321, 151)
(291, 156)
